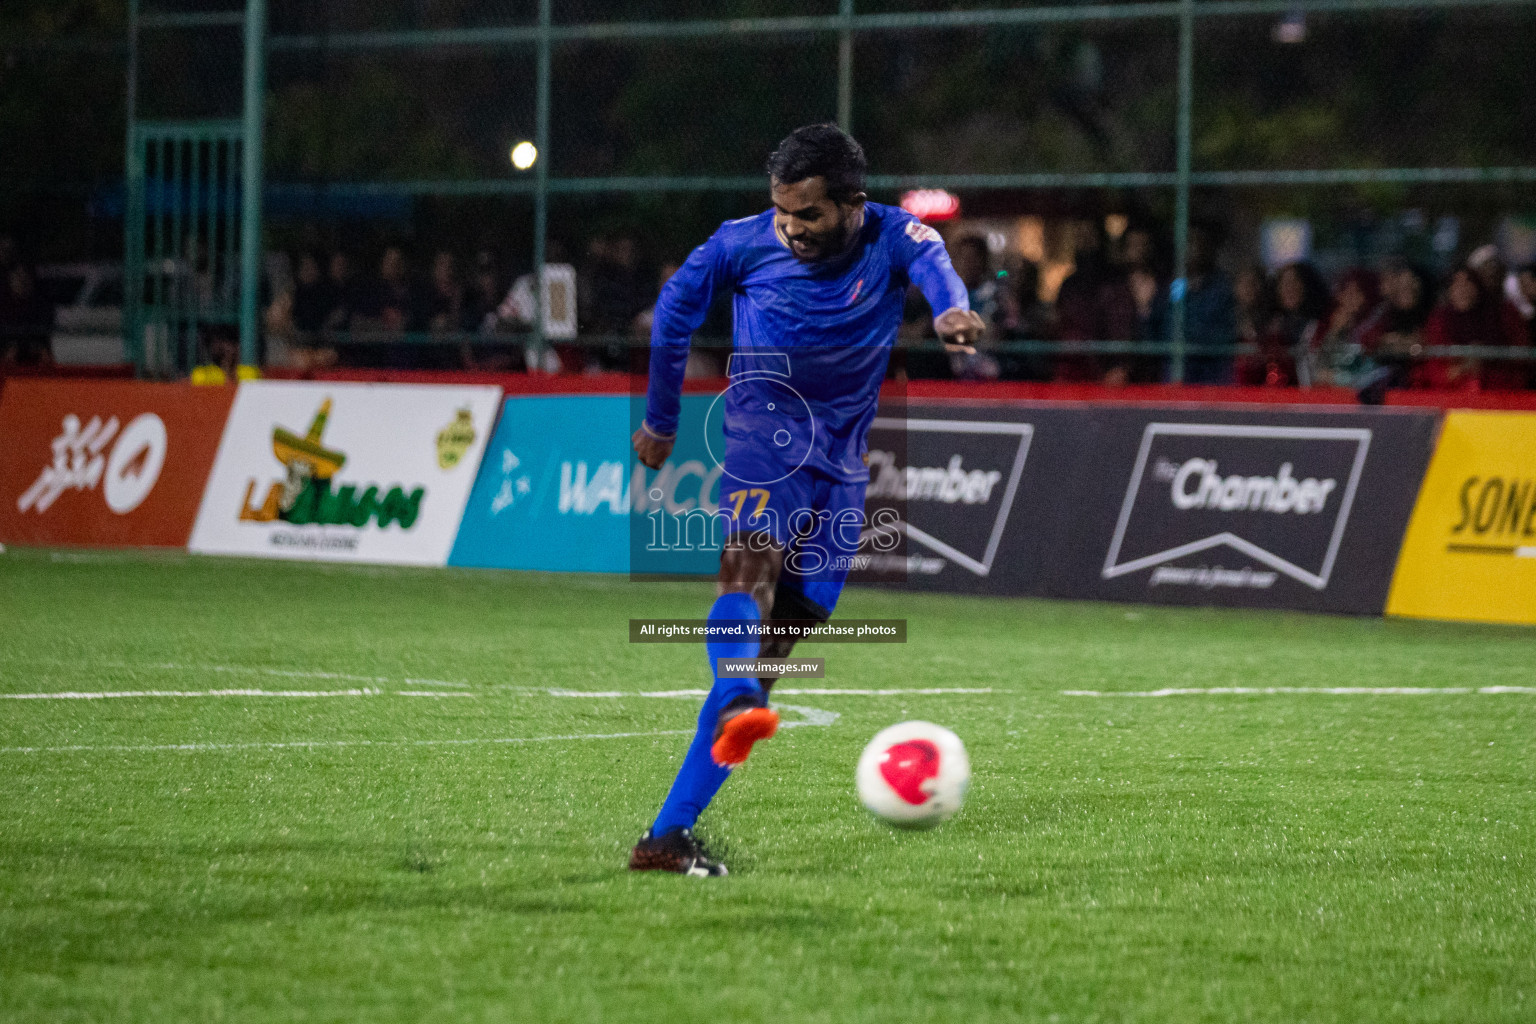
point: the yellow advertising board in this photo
(1470, 550)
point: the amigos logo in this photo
(345, 471)
(306, 495)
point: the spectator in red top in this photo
(1393, 334)
(1497, 280)
(1396, 327)
(1301, 302)
(1251, 290)
(1337, 355)
(1470, 315)
(1094, 303)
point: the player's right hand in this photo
(960, 329)
(653, 450)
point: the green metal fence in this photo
(193, 217)
(183, 239)
(846, 25)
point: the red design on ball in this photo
(906, 766)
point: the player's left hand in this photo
(651, 447)
(960, 329)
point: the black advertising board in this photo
(974, 490)
(1255, 508)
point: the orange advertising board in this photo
(111, 463)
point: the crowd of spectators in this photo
(1366, 329)
(454, 316)
(1369, 328)
(1291, 328)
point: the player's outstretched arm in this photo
(680, 310)
(927, 264)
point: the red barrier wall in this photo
(951, 390)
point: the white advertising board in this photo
(345, 472)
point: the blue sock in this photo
(699, 779)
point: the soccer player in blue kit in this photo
(817, 284)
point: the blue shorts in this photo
(816, 518)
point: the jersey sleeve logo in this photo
(920, 232)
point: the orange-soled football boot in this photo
(740, 727)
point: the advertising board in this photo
(1272, 508)
(344, 472)
(1470, 550)
(975, 489)
(561, 490)
(1261, 508)
(110, 463)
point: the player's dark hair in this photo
(821, 151)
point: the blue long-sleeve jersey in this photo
(823, 331)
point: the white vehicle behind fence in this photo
(88, 317)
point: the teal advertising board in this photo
(560, 489)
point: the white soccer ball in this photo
(914, 775)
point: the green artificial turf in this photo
(1285, 857)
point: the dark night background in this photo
(1363, 90)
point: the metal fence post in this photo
(1181, 188)
(133, 207)
(541, 178)
(845, 67)
(251, 177)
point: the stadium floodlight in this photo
(524, 155)
(1291, 29)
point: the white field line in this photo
(922, 692)
(283, 673)
(257, 670)
(161, 557)
(812, 716)
(615, 694)
(777, 690)
(1262, 691)
(130, 694)
(336, 744)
